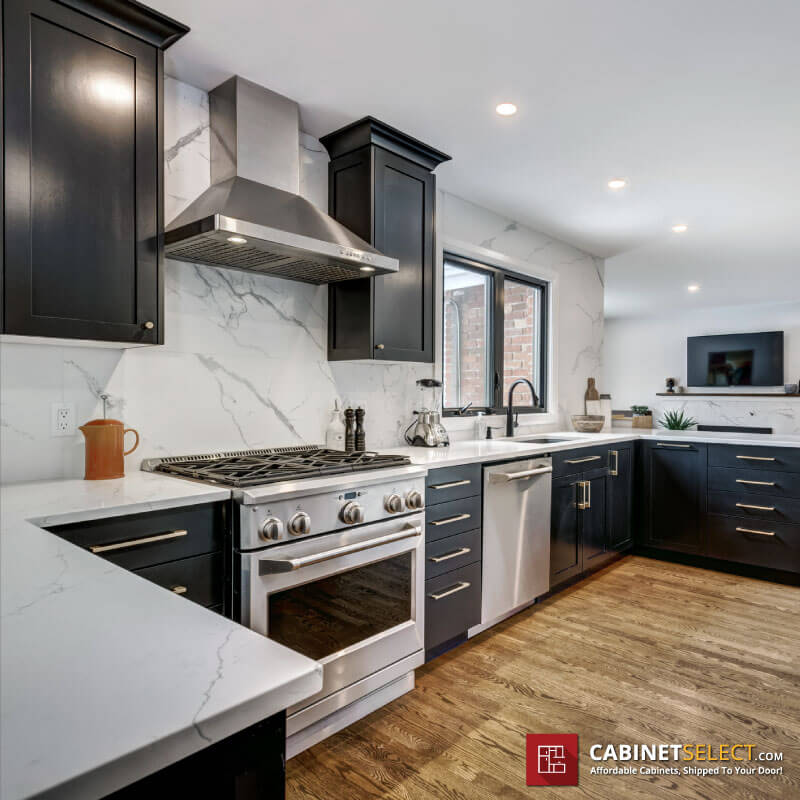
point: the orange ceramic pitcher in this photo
(105, 448)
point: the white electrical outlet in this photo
(62, 419)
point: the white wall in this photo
(639, 354)
(244, 361)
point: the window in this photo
(495, 331)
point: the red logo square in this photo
(551, 759)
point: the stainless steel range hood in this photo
(252, 217)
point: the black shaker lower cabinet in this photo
(592, 514)
(453, 550)
(674, 477)
(249, 765)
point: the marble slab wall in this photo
(244, 362)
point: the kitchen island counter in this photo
(106, 677)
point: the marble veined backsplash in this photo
(244, 364)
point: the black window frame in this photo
(496, 317)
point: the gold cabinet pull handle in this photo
(460, 588)
(448, 520)
(451, 484)
(106, 548)
(455, 554)
(583, 460)
(757, 508)
(760, 533)
(586, 495)
(615, 469)
(671, 444)
(756, 483)
(756, 458)
(180, 589)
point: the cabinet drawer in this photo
(445, 555)
(452, 604)
(779, 509)
(570, 462)
(754, 481)
(143, 540)
(448, 519)
(451, 483)
(779, 459)
(198, 578)
(772, 545)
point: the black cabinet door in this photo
(403, 302)
(565, 535)
(675, 478)
(620, 497)
(594, 530)
(81, 176)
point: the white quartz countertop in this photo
(505, 448)
(104, 676)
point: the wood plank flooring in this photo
(642, 652)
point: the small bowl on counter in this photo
(588, 423)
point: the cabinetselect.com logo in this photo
(551, 759)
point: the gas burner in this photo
(261, 467)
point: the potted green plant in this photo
(642, 417)
(676, 421)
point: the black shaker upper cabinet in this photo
(382, 187)
(83, 209)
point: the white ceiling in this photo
(696, 102)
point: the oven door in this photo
(351, 600)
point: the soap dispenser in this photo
(334, 436)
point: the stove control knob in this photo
(415, 501)
(353, 513)
(394, 504)
(300, 524)
(271, 529)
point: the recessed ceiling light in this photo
(680, 228)
(237, 240)
(367, 269)
(693, 287)
(506, 109)
(617, 183)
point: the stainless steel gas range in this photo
(328, 559)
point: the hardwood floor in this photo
(642, 652)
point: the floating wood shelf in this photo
(725, 394)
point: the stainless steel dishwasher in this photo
(516, 536)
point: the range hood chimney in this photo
(252, 217)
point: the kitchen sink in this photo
(543, 440)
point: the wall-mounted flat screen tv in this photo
(735, 359)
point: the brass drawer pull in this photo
(615, 469)
(455, 554)
(105, 548)
(180, 589)
(448, 520)
(756, 483)
(670, 444)
(450, 485)
(461, 586)
(583, 460)
(757, 508)
(756, 458)
(760, 533)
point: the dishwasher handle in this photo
(507, 477)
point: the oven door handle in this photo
(268, 566)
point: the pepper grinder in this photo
(361, 436)
(349, 430)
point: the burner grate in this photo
(259, 467)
